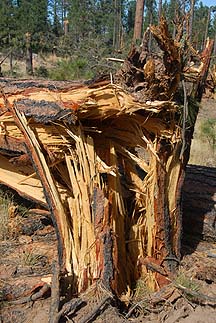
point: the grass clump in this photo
(183, 280)
(7, 211)
(31, 259)
(11, 215)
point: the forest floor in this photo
(28, 247)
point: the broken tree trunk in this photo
(108, 159)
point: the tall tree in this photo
(55, 17)
(7, 23)
(138, 24)
(199, 24)
(117, 30)
(192, 4)
(160, 5)
(32, 24)
(131, 9)
(150, 17)
(211, 10)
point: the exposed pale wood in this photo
(111, 158)
(11, 176)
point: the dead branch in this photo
(68, 309)
(97, 310)
(197, 297)
(31, 298)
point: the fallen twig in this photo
(113, 59)
(44, 289)
(197, 297)
(96, 311)
(68, 309)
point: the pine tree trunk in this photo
(191, 19)
(11, 63)
(160, 3)
(29, 58)
(117, 28)
(138, 20)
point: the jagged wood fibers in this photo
(111, 160)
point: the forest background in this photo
(71, 39)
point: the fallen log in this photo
(108, 159)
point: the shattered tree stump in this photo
(108, 160)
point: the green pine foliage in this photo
(70, 70)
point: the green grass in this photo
(29, 258)
(183, 280)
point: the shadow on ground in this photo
(199, 207)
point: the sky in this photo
(209, 2)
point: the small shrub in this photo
(70, 70)
(41, 72)
(208, 132)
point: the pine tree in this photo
(138, 24)
(32, 25)
(7, 23)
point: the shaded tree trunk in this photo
(11, 62)
(117, 29)
(29, 59)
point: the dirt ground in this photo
(26, 267)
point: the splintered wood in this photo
(110, 159)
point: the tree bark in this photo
(117, 28)
(29, 57)
(160, 3)
(138, 24)
(191, 20)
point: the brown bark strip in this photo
(55, 295)
(50, 191)
(44, 289)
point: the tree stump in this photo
(108, 159)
